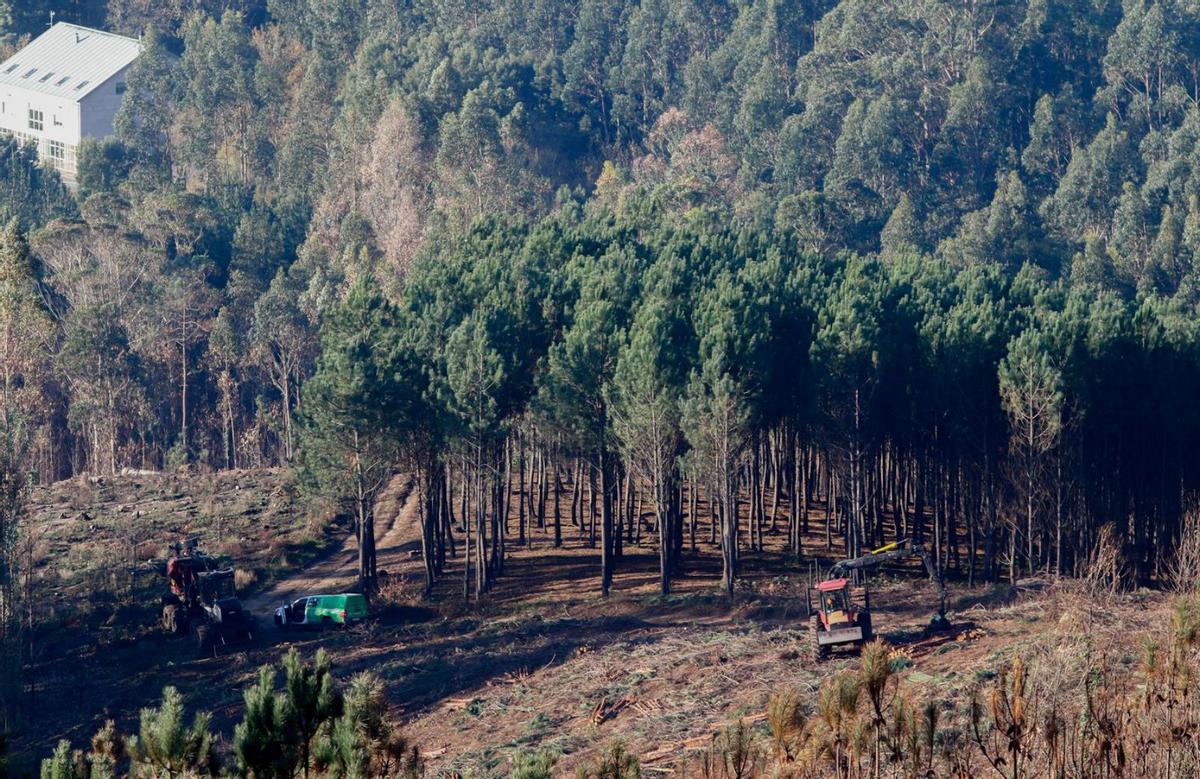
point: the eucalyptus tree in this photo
(26, 330)
(147, 111)
(14, 493)
(282, 344)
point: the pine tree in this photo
(363, 742)
(645, 399)
(166, 748)
(311, 702)
(1032, 392)
(261, 740)
(355, 411)
(64, 763)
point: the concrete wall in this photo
(63, 120)
(100, 107)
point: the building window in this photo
(36, 120)
(56, 151)
(120, 87)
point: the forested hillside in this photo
(927, 264)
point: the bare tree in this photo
(282, 343)
(396, 188)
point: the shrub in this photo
(1107, 572)
(244, 579)
(165, 748)
(108, 749)
(533, 765)
(1185, 621)
(614, 763)
(786, 721)
(1183, 569)
(738, 752)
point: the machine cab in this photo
(838, 603)
(834, 595)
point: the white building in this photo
(66, 85)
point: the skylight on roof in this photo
(82, 84)
(46, 77)
(29, 73)
(11, 68)
(62, 81)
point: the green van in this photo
(322, 611)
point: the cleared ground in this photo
(542, 662)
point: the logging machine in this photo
(840, 610)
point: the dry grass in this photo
(1183, 569)
(1107, 571)
(94, 534)
(244, 579)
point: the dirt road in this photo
(337, 571)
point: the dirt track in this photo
(337, 571)
(540, 661)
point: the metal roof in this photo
(69, 61)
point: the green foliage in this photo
(363, 742)
(310, 726)
(144, 120)
(691, 241)
(261, 740)
(615, 762)
(357, 408)
(166, 748)
(101, 762)
(102, 165)
(64, 763)
(312, 701)
(533, 765)
(32, 193)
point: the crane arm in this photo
(899, 550)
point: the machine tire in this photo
(205, 640)
(326, 624)
(250, 625)
(819, 653)
(174, 621)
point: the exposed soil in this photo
(543, 663)
(337, 570)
